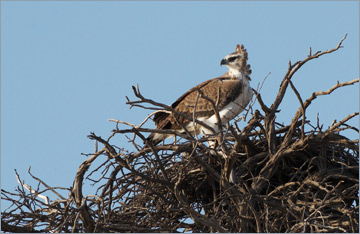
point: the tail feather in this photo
(154, 138)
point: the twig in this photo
(47, 186)
(197, 217)
(27, 187)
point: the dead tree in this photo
(297, 177)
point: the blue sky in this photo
(66, 67)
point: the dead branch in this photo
(291, 177)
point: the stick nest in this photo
(265, 177)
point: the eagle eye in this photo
(231, 59)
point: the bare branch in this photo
(275, 178)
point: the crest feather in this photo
(244, 67)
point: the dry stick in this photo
(271, 166)
(167, 131)
(306, 104)
(88, 222)
(112, 153)
(16, 229)
(194, 116)
(257, 91)
(147, 118)
(142, 123)
(197, 217)
(302, 107)
(67, 217)
(109, 185)
(47, 186)
(32, 191)
(261, 102)
(258, 96)
(321, 205)
(123, 122)
(162, 169)
(292, 69)
(328, 131)
(175, 148)
(211, 171)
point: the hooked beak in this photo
(224, 62)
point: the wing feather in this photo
(214, 89)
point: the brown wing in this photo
(214, 89)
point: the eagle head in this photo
(237, 60)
